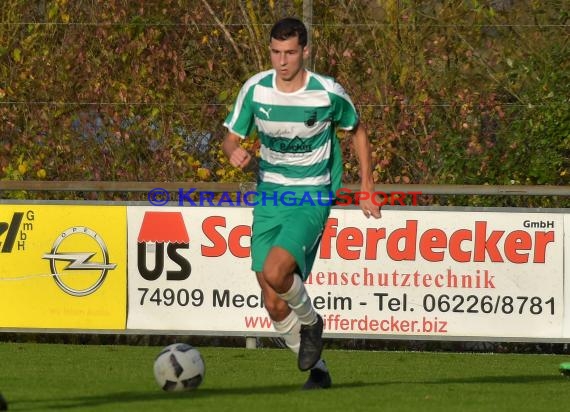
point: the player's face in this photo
(287, 58)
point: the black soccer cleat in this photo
(3, 403)
(311, 345)
(318, 379)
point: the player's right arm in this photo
(237, 155)
(240, 122)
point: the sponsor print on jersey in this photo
(295, 145)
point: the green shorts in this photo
(297, 229)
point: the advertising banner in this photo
(63, 267)
(422, 273)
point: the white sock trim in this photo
(286, 325)
(298, 300)
(289, 329)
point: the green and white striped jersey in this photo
(299, 150)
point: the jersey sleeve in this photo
(345, 114)
(240, 120)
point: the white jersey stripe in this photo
(277, 178)
(304, 98)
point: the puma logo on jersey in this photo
(265, 111)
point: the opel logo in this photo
(78, 260)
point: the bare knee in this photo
(276, 308)
(278, 269)
(280, 281)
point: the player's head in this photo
(288, 28)
(288, 48)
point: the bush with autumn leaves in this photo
(451, 92)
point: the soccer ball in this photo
(179, 367)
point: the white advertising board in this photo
(412, 273)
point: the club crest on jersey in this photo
(310, 118)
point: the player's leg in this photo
(276, 307)
(286, 267)
(275, 265)
(319, 377)
(285, 321)
(265, 231)
(289, 329)
(278, 272)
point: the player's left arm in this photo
(362, 149)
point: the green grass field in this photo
(50, 377)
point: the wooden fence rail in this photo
(427, 189)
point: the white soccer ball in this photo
(179, 367)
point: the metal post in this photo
(308, 20)
(250, 342)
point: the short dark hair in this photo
(289, 27)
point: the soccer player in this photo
(296, 113)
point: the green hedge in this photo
(472, 92)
